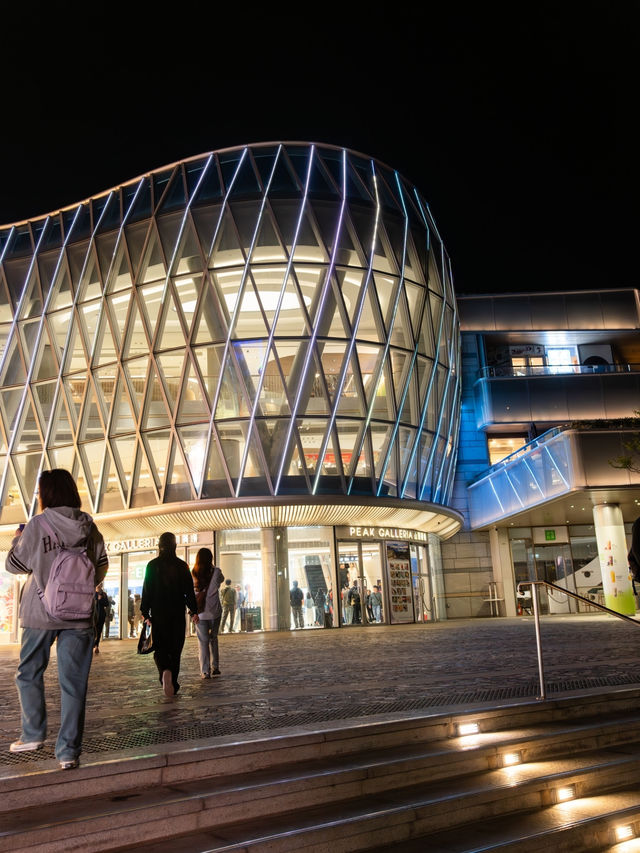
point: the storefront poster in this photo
(399, 582)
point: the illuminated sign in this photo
(550, 535)
(121, 546)
(399, 533)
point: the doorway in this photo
(359, 576)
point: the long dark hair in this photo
(58, 488)
(202, 568)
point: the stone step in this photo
(362, 785)
(529, 727)
(586, 824)
(247, 805)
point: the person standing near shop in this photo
(375, 600)
(33, 552)
(296, 597)
(166, 592)
(102, 606)
(228, 601)
(353, 597)
(207, 578)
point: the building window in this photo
(503, 446)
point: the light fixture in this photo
(468, 729)
(511, 758)
(624, 833)
(568, 792)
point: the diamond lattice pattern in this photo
(273, 320)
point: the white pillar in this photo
(612, 551)
(502, 565)
(269, 579)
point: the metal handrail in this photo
(536, 614)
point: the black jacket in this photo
(167, 589)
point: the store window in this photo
(241, 562)
(310, 566)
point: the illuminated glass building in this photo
(257, 349)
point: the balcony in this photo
(558, 463)
(509, 396)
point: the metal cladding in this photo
(265, 321)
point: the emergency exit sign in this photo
(549, 535)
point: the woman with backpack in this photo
(36, 551)
(206, 582)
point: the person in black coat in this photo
(167, 590)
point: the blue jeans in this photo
(74, 653)
(207, 632)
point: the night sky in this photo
(510, 118)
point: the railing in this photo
(508, 371)
(536, 614)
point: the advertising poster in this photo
(399, 582)
(616, 580)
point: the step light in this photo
(568, 792)
(511, 758)
(468, 729)
(624, 833)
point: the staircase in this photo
(408, 785)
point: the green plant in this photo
(630, 461)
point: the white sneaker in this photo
(26, 746)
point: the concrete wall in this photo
(468, 570)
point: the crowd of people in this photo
(309, 611)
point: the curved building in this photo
(256, 348)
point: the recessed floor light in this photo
(568, 792)
(468, 728)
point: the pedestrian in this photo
(166, 591)
(375, 600)
(131, 615)
(110, 615)
(228, 601)
(309, 609)
(353, 597)
(102, 606)
(33, 552)
(137, 616)
(319, 604)
(207, 578)
(296, 597)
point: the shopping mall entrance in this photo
(382, 582)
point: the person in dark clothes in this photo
(167, 590)
(102, 606)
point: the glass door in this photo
(422, 603)
(361, 594)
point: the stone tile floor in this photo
(278, 681)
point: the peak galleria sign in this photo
(396, 533)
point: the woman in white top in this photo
(208, 577)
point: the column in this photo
(269, 579)
(437, 578)
(502, 565)
(612, 551)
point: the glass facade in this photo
(265, 323)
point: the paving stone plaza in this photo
(278, 682)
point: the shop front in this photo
(347, 576)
